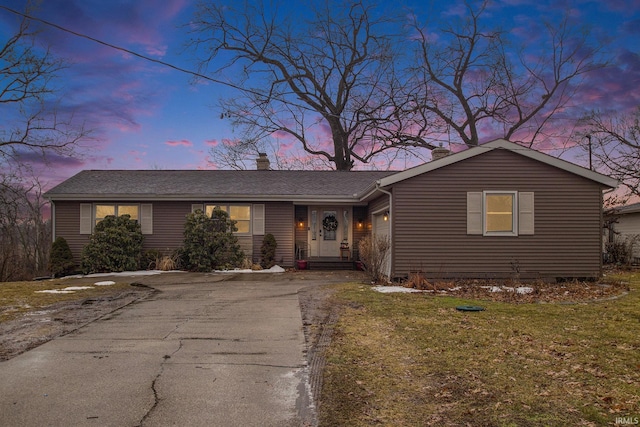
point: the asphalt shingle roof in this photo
(215, 183)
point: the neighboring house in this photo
(492, 211)
(623, 226)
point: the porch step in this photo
(330, 264)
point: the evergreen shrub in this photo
(61, 258)
(268, 251)
(115, 245)
(209, 243)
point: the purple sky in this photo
(144, 115)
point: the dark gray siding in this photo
(67, 225)
(168, 226)
(377, 204)
(429, 231)
(279, 221)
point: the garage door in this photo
(381, 228)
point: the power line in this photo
(122, 49)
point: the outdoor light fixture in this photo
(300, 223)
(386, 216)
(360, 224)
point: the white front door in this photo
(330, 232)
(329, 226)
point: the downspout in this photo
(390, 226)
(610, 230)
(53, 221)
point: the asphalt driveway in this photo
(206, 350)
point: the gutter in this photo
(301, 199)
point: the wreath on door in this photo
(330, 223)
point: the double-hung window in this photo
(500, 213)
(239, 213)
(102, 211)
(92, 214)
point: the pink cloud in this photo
(182, 142)
(281, 134)
(212, 143)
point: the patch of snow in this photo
(128, 273)
(519, 290)
(105, 283)
(394, 289)
(38, 313)
(124, 274)
(67, 290)
(274, 269)
(55, 291)
(492, 288)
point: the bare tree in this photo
(241, 155)
(25, 236)
(27, 104)
(467, 78)
(30, 123)
(329, 82)
(612, 142)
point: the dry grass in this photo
(17, 298)
(413, 359)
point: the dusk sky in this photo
(144, 115)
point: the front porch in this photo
(329, 248)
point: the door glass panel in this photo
(314, 224)
(329, 225)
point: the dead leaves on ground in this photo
(516, 292)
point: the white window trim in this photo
(514, 214)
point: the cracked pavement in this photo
(206, 350)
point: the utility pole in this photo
(590, 153)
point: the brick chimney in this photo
(262, 162)
(439, 153)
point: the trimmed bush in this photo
(61, 258)
(268, 251)
(115, 245)
(209, 243)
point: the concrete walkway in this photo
(201, 352)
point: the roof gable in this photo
(498, 144)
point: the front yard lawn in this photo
(413, 359)
(18, 298)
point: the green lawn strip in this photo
(17, 298)
(413, 359)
